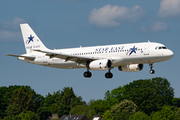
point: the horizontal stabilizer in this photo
(28, 57)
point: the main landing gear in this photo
(88, 74)
(151, 70)
(109, 74)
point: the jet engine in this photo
(131, 67)
(100, 64)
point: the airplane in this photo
(127, 57)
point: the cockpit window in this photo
(160, 47)
(164, 47)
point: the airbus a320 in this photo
(127, 57)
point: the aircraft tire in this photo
(87, 74)
(152, 71)
(108, 75)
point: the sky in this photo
(73, 23)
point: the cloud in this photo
(10, 30)
(169, 9)
(10, 36)
(14, 24)
(110, 16)
(156, 27)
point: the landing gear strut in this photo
(151, 70)
(109, 74)
(87, 74)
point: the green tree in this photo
(176, 102)
(139, 116)
(69, 99)
(50, 99)
(166, 113)
(13, 110)
(82, 110)
(28, 116)
(63, 110)
(38, 101)
(5, 95)
(115, 96)
(24, 97)
(123, 110)
(149, 95)
(54, 108)
(107, 115)
(99, 107)
(44, 113)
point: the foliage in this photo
(5, 95)
(24, 97)
(176, 102)
(62, 101)
(13, 110)
(149, 95)
(107, 115)
(63, 110)
(23, 116)
(54, 108)
(123, 110)
(115, 96)
(99, 107)
(91, 101)
(166, 113)
(44, 113)
(139, 116)
(82, 110)
(28, 116)
(68, 100)
(51, 99)
(38, 101)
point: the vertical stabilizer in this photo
(31, 40)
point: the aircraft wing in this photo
(23, 56)
(67, 57)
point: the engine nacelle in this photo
(100, 64)
(131, 67)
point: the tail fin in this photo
(31, 40)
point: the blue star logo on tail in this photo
(30, 39)
(132, 50)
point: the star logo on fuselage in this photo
(132, 50)
(30, 39)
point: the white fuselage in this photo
(119, 54)
(127, 57)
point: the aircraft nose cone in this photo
(170, 54)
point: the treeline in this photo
(148, 99)
(23, 103)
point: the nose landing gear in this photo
(151, 70)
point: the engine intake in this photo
(100, 64)
(131, 67)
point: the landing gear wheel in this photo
(108, 75)
(152, 71)
(87, 74)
